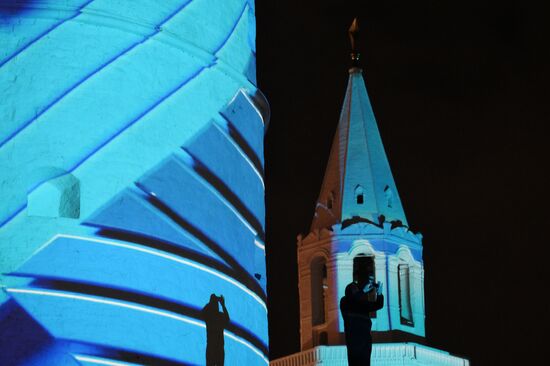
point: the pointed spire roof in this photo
(358, 181)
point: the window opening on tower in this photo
(389, 196)
(359, 195)
(363, 265)
(330, 201)
(319, 286)
(405, 308)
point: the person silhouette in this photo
(362, 296)
(215, 322)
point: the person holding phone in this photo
(362, 296)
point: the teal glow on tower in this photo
(359, 217)
(131, 175)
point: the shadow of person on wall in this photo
(216, 321)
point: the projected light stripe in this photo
(241, 235)
(213, 190)
(165, 256)
(252, 166)
(129, 124)
(223, 43)
(89, 75)
(239, 186)
(246, 344)
(259, 244)
(137, 308)
(252, 104)
(244, 155)
(103, 144)
(107, 302)
(13, 214)
(42, 35)
(132, 213)
(88, 268)
(103, 361)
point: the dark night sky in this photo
(460, 92)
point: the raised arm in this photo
(362, 299)
(224, 309)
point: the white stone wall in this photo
(339, 251)
(383, 354)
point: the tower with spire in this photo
(359, 224)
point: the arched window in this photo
(404, 289)
(359, 197)
(330, 200)
(364, 266)
(388, 193)
(318, 288)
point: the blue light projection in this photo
(359, 223)
(131, 167)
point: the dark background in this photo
(460, 92)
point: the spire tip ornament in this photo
(353, 33)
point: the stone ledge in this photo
(383, 354)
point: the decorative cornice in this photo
(366, 230)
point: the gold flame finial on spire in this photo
(353, 33)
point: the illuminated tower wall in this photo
(131, 175)
(359, 224)
(359, 221)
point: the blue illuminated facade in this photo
(131, 167)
